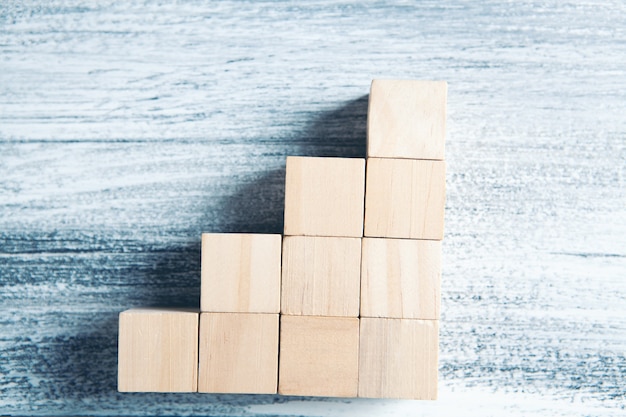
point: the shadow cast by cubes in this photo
(89, 359)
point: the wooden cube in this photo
(158, 351)
(238, 353)
(240, 273)
(319, 356)
(398, 358)
(405, 198)
(321, 276)
(401, 278)
(407, 119)
(324, 196)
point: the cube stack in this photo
(401, 260)
(240, 302)
(319, 335)
(346, 303)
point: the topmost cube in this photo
(407, 119)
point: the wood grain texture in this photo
(319, 356)
(158, 351)
(240, 273)
(401, 278)
(398, 358)
(126, 131)
(405, 198)
(238, 353)
(324, 196)
(407, 119)
(321, 276)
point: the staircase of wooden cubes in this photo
(346, 303)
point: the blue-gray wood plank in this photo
(127, 130)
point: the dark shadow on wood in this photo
(258, 207)
(170, 277)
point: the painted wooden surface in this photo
(128, 130)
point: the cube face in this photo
(401, 278)
(238, 353)
(324, 196)
(405, 198)
(321, 276)
(240, 273)
(407, 119)
(158, 351)
(319, 356)
(398, 358)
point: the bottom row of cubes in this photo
(169, 351)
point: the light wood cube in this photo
(238, 353)
(321, 276)
(324, 196)
(407, 119)
(405, 198)
(401, 278)
(240, 273)
(398, 358)
(319, 356)
(158, 351)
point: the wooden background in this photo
(127, 130)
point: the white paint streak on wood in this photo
(127, 131)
